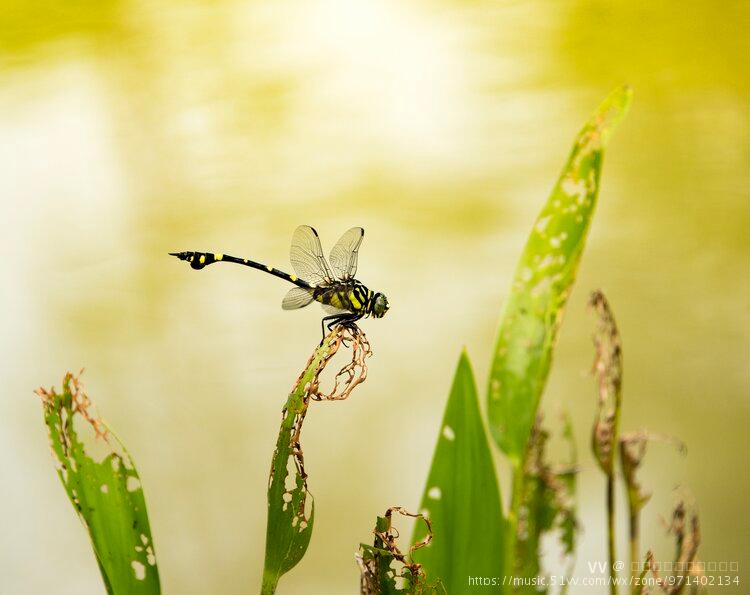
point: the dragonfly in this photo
(345, 299)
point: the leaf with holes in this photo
(548, 500)
(385, 569)
(291, 509)
(107, 495)
(542, 282)
(462, 498)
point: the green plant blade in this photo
(107, 495)
(385, 569)
(290, 513)
(377, 577)
(462, 498)
(549, 501)
(542, 282)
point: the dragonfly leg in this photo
(347, 319)
(332, 320)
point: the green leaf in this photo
(376, 575)
(107, 495)
(542, 282)
(548, 500)
(385, 569)
(569, 523)
(462, 498)
(291, 509)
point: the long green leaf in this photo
(542, 282)
(462, 497)
(290, 514)
(107, 495)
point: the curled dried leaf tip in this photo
(684, 526)
(389, 535)
(351, 374)
(79, 402)
(633, 446)
(376, 562)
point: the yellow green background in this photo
(131, 129)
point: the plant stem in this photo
(632, 451)
(611, 531)
(511, 538)
(634, 546)
(608, 369)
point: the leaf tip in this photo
(464, 361)
(612, 111)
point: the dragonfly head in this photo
(380, 305)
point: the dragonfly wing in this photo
(334, 310)
(345, 253)
(307, 256)
(296, 297)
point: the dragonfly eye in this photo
(381, 305)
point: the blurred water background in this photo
(131, 128)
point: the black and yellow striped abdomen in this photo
(198, 260)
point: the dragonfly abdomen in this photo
(199, 260)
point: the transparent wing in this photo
(345, 252)
(334, 310)
(307, 256)
(296, 297)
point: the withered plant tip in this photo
(352, 374)
(386, 535)
(80, 402)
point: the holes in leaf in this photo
(133, 483)
(541, 225)
(138, 569)
(574, 189)
(290, 481)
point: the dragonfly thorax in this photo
(351, 296)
